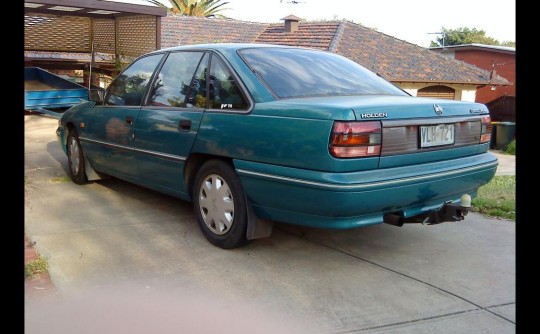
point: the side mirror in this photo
(96, 95)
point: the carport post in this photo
(158, 32)
(116, 54)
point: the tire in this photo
(75, 156)
(220, 205)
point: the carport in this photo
(88, 36)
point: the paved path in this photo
(126, 259)
(507, 163)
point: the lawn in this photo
(497, 198)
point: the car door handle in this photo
(185, 125)
(129, 120)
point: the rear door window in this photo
(172, 84)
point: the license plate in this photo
(436, 135)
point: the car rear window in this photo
(300, 73)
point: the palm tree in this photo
(203, 8)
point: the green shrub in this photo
(511, 147)
(36, 267)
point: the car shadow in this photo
(125, 188)
(328, 237)
(133, 191)
(55, 151)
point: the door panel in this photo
(109, 139)
(162, 144)
(109, 129)
(167, 125)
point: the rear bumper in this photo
(346, 200)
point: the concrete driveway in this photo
(127, 259)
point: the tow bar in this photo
(449, 212)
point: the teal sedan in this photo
(252, 134)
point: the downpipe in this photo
(449, 212)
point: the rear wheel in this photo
(220, 205)
(75, 158)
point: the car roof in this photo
(227, 46)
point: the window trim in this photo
(144, 100)
(211, 53)
(205, 77)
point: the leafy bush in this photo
(36, 267)
(511, 147)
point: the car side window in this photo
(172, 84)
(197, 93)
(129, 87)
(223, 88)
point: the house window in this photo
(438, 92)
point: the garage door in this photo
(439, 92)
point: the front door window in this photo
(129, 87)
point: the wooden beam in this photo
(91, 5)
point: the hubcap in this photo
(216, 204)
(74, 155)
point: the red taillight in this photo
(485, 135)
(355, 139)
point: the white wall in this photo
(468, 95)
(463, 92)
(412, 91)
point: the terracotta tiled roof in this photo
(181, 30)
(397, 60)
(392, 58)
(311, 35)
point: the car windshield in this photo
(292, 72)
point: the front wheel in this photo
(220, 205)
(75, 159)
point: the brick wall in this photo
(505, 66)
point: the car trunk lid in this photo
(420, 130)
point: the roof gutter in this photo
(477, 83)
